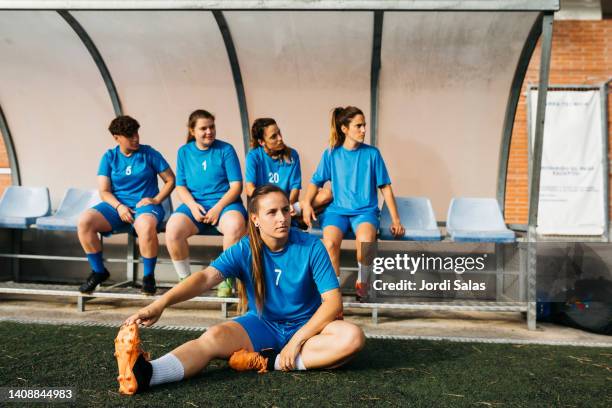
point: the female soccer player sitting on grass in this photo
(209, 183)
(271, 161)
(355, 170)
(292, 295)
(127, 180)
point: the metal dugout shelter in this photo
(439, 82)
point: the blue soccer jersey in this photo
(355, 177)
(207, 173)
(295, 277)
(134, 177)
(262, 169)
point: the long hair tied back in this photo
(341, 117)
(256, 244)
(257, 135)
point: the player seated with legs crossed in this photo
(209, 183)
(356, 171)
(292, 295)
(127, 180)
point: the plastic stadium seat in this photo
(21, 206)
(66, 217)
(477, 220)
(417, 217)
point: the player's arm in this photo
(397, 229)
(307, 210)
(331, 306)
(191, 287)
(169, 180)
(249, 188)
(106, 194)
(294, 195)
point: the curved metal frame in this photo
(375, 76)
(513, 100)
(95, 54)
(10, 149)
(236, 74)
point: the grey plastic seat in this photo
(477, 220)
(20, 206)
(66, 217)
(418, 219)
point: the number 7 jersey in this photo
(295, 277)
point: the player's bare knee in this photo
(215, 334)
(174, 235)
(331, 245)
(146, 231)
(353, 339)
(85, 223)
(234, 229)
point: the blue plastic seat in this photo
(66, 217)
(477, 220)
(417, 216)
(20, 206)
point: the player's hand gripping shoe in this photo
(135, 370)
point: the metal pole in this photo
(10, 149)
(375, 75)
(534, 193)
(603, 95)
(233, 60)
(511, 106)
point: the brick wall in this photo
(581, 54)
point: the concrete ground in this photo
(457, 326)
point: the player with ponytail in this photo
(292, 298)
(356, 171)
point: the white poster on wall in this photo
(571, 181)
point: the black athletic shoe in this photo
(270, 354)
(148, 285)
(93, 281)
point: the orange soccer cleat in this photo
(243, 360)
(134, 368)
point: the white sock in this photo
(299, 364)
(167, 368)
(182, 268)
(363, 272)
(297, 209)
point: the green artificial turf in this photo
(385, 373)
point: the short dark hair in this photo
(124, 126)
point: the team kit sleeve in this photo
(251, 168)
(295, 182)
(180, 169)
(230, 262)
(159, 163)
(323, 172)
(382, 175)
(232, 165)
(323, 272)
(104, 169)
